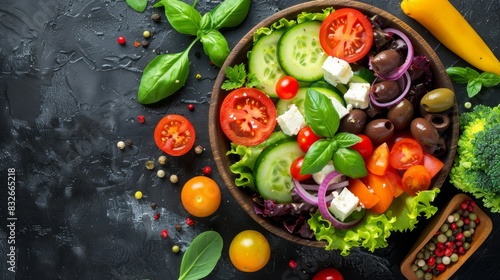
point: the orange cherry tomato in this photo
(201, 196)
(383, 190)
(432, 164)
(366, 197)
(174, 135)
(405, 153)
(249, 251)
(394, 179)
(415, 179)
(378, 161)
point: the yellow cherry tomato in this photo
(249, 251)
(201, 196)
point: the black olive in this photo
(385, 91)
(427, 136)
(440, 121)
(386, 61)
(354, 122)
(374, 112)
(401, 114)
(379, 131)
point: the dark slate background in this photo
(68, 95)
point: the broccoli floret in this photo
(476, 168)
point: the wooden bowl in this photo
(481, 233)
(220, 143)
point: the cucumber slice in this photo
(362, 75)
(282, 105)
(299, 52)
(272, 170)
(263, 62)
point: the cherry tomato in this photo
(366, 197)
(174, 135)
(247, 116)
(415, 179)
(432, 164)
(405, 153)
(382, 189)
(201, 196)
(347, 34)
(295, 170)
(306, 138)
(364, 147)
(328, 274)
(287, 87)
(378, 161)
(249, 251)
(394, 179)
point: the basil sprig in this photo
(474, 80)
(167, 73)
(201, 256)
(324, 121)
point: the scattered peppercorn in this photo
(467, 105)
(160, 173)
(156, 17)
(162, 160)
(150, 165)
(164, 234)
(198, 76)
(189, 222)
(153, 205)
(144, 43)
(198, 149)
(178, 227)
(137, 43)
(206, 170)
(174, 179)
(141, 119)
(191, 107)
(121, 40)
(129, 142)
(120, 145)
(176, 249)
(146, 34)
(292, 264)
(157, 216)
(138, 195)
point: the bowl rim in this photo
(216, 137)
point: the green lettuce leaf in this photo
(374, 230)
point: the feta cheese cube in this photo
(318, 177)
(343, 204)
(291, 121)
(339, 107)
(358, 95)
(336, 71)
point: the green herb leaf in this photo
(473, 87)
(201, 256)
(237, 77)
(252, 80)
(215, 46)
(206, 22)
(489, 79)
(230, 13)
(183, 17)
(318, 155)
(137, 5)
(345, 139)
(350, 163)
(320, 114)
(163, 76)
(461, 75)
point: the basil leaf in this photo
(138, 5)
(350, 163)
(206, 22)
(183, 17)
(318, 155)
(163, 76)
(201, 256)
(458, 74)
(320, 114)
(489, 79)
(473, 87)
(345, 139)
(230, 13)
(215, 46)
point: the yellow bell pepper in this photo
(453, 31)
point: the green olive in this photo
(438, 100)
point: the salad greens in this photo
(238, 77)
(201, 256)
(474, 80)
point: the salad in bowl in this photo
(334, 124)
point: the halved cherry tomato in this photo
(247, 116)
(328, 274)
(295, 170)
(378, 161)
(174, 135)
(432, 164)
(364, 147)
(366, 197)
(306, 138)
(398, 135)
(287, 87)
(406, 153)
(394, 179)
(347, 34)
(415, 179)
(382, 189)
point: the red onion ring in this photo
(406, 81)
(302, 191)
(323, 209)
(398, 72)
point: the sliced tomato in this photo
(247, 116)
(347, 34)
(366, 197)
(432, 164)
(364, 147)
(415, 179)
(395, 180)
(295, 170)
(174, 135)
(383, 190)
(378, 161)
(406, 153)
(306, 138)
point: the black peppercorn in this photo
(178, 227)
(153, 205)
(156, 17)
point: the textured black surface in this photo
(68, 95)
